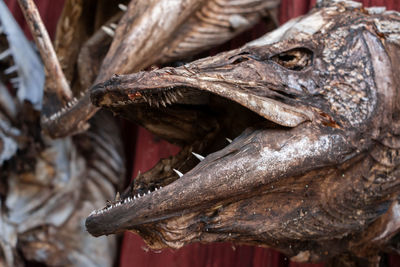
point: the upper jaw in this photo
(230, 75)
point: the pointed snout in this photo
(252, 161)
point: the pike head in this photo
(313, 100)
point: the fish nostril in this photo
(239, 60)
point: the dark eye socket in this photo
(294, 59)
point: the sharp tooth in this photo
(117, 197)
(148, 192)
(113, 25)
(134, 197)
(163, 103)
(156, 189)
(5, 54)
(178, 172)
(92, 213)
(173, 96)
(229, 140)
(75, 99)
(11, 69)
(123, 7)
(108, 31)
(169, 95)
(82, 93)
(199, 157)
(179, 93)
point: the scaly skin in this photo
(314, 172)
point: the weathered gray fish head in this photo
(315, 165)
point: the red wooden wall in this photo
(146, 150)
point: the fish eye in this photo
(295, 59)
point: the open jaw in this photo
(296, 175)
(231, 190)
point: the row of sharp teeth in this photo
(138, 196)
(110, 29)
(122, 202)
(63, 110)
(166, 98)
